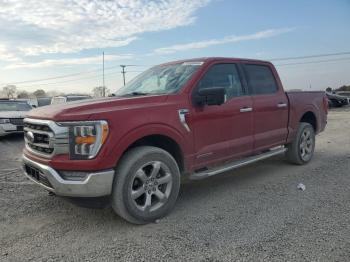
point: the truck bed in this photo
(301, 102)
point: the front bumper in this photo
(95, 184)
(6, 129)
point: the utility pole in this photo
(103, 74)
(123, 72)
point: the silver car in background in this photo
(12, 113)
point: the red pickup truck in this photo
(193, 118)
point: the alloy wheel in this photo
(151, 186)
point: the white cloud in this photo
(67, 62)
(6, 56)
(35, 27)
(228, 39)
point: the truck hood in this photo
(85, 109)
(13, 114)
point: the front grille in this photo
(39, 127)
(45, 137)
(37, 175)
(16, 121)
(41, 149)
(37, 137)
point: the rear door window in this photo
(260, 79)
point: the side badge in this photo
(182, 117)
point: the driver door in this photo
(223, 132)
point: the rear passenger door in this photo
(270, 106)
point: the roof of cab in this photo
(214, 59)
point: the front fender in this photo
(118, 147)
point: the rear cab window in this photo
(260, 79)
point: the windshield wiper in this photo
(136, 94)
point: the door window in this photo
(223, 75)
(260, 79)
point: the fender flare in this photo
(121, 145)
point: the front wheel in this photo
(146, 185)
(301, 150)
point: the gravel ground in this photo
(252, 214)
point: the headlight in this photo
(86, 138)
(4, 120)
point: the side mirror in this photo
(209, 96)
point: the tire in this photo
(301, 150)
(141, 194)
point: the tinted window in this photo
(76, 98)
(260, 79)
(44, 101)
(14, 106)
(223, 75)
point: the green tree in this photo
(39, 93)
(23, 94)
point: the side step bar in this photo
(237, 164)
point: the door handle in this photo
(281, 105)
(246, 109)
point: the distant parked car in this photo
(12, 113)
(335, 100)
(44, 101)
(68, 98)
(32, 101)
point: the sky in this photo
(62, 41)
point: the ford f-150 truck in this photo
(194, 118)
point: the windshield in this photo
(164, 79)
(14, 106)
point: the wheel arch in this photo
(164, 142)
(310, 117)
(160, 136)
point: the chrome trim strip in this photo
(280, 105)
(50, 134)
(246, 109)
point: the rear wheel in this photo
(146, 185)
(301, 150)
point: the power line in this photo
(68, 81)
(112, 67)
(136, 71)
(67, 75)
(309, 56)
(316, 62)
(76, 79)
(53, 78)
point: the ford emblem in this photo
(30, 136)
